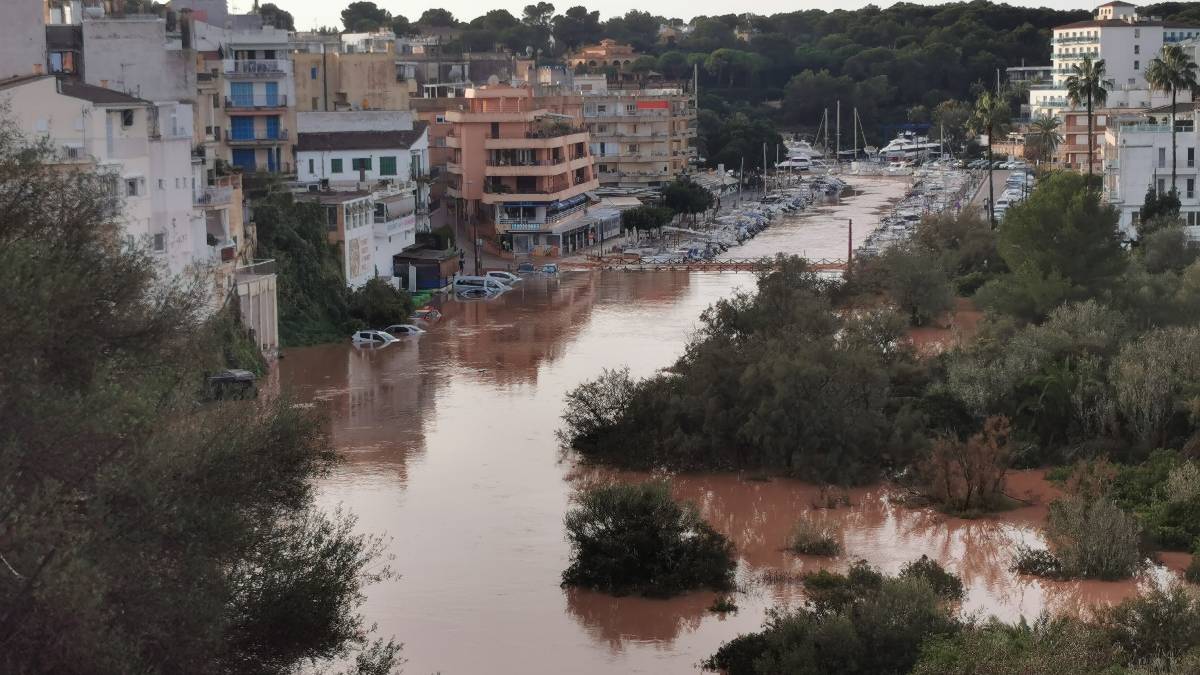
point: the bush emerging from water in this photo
(1090, 538)
(637, 539)
(811, 538)
(856, 623)
(1192, 573)
(945, 584)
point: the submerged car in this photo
(526, 268)
(550, 268)
(504, 277)
(426, 315)
(375, 338)
(402, 329)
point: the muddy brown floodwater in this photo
(450, 450)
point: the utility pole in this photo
(741, 179)
(849, 245)
(474, 238)
(763, 167)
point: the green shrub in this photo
(637, 539)
(378, 304)
(876, 625)
(1050, 646)
(723, 604)
(943, 583)
(1192, 573)
(812, 538)
(1160, 622)
(1090, 538)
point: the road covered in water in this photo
(450, 450)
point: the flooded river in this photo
(450, 451)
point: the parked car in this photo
(550, 268)
(526, 268)
(232, 384)
(505, 277)
(402, 329)
(372, 338)
(425, 315)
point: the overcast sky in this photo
(313, 13)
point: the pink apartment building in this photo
(519, 168)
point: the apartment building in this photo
(1137, 159)
(250, 65)
(147, 151)
(23, 39)
(521, 166)
(432, 111)
(355, 72)
(1127, 43)
(640, 137)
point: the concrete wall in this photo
(22, 38)
(133, 55)
(367, 120)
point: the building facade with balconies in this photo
(1137, 159)
(520, 165)
(251, 65)
(357, 72)
(1127, 43)
(640, 137)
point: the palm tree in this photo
(990, 117)
(1172, 71)
(1043, 132)
(1086, 84)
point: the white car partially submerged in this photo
(402, 329)
(507, 278)
(372, 338)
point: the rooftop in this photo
(330, 141)
(1118, 23)
(98, 95)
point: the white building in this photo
(22, 39)
(146, 147)
(1125, 41)
(1137, 158)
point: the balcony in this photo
(1066, 56)
(256, 68)
(550, 194)
(533, 141)
(256, 138)
(1075, 40)
(258, 268)
(256, 102)
(214, 196)
(536, 167)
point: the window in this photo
(1100, 120)
(1191, 188)
(126, 118)
(316, 103)
(360, 164)
(630, 108)
(601, 128)
(1191, 157)
(335, 166)
(387, 166)
(331, 215)
(162, 184)
(633, 148)
(311, 162)
(495, 130)
(1137, 49)
(160, 242)
(439, 119)
(131, 187)
(601, 109)
(1162, 158)
(1162, 186)
(1137, 65)
(1137, 32)
(312, 74)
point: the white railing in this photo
(257, 67)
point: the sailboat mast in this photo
(856, 132)
(838, 147)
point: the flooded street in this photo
(450, 450)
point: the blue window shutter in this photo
(273, 127)
(272, 93)
(241, 128)
(242, 93)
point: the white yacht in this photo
(909, 145)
